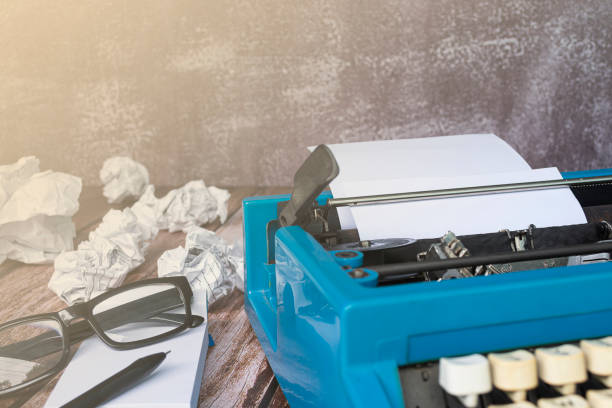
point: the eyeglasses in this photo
(35, 348)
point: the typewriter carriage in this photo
(330, 339)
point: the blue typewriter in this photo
(504, 319)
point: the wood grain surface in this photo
(236, 373)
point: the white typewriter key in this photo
(465, 377)
(521, 404)
(573, 401)
(598, 354)
(599, 398)
(562, 367)
(514, 372)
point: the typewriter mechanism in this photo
(519, 318)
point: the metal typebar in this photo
(467, 191)
(410, 268)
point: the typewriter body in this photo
(350, 323)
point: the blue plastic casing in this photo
(333, 342)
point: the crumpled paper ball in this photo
(194, 204)
(103, 261)
(207, 261)
(222, 196)
(13, 176)
(145, 210)
(117, 245)
(123, 178)
(186, 207)
(36, 210)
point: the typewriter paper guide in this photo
(443, 156)
(465, 215)
(396, 166)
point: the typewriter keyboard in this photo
(573, 375)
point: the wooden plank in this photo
(237, 372)
(278, 399)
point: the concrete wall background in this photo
(232, 91)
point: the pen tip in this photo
(168, 352)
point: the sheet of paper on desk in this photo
(444, 156)
(464, 215)
(175, 384)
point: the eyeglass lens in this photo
(28, 351)
(141, 313)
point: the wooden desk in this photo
(237, 372)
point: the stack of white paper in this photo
(36, 210)
(175, 383)
(397, 166)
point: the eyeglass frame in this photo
(84, 311)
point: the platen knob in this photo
(465, 377)
(514, 372)
(562, 366)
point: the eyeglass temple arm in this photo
(139, 310)
(177, 318)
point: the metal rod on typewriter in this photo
(394, 271)
(467, 191)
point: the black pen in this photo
(117, 383)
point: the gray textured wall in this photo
(234, 90)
